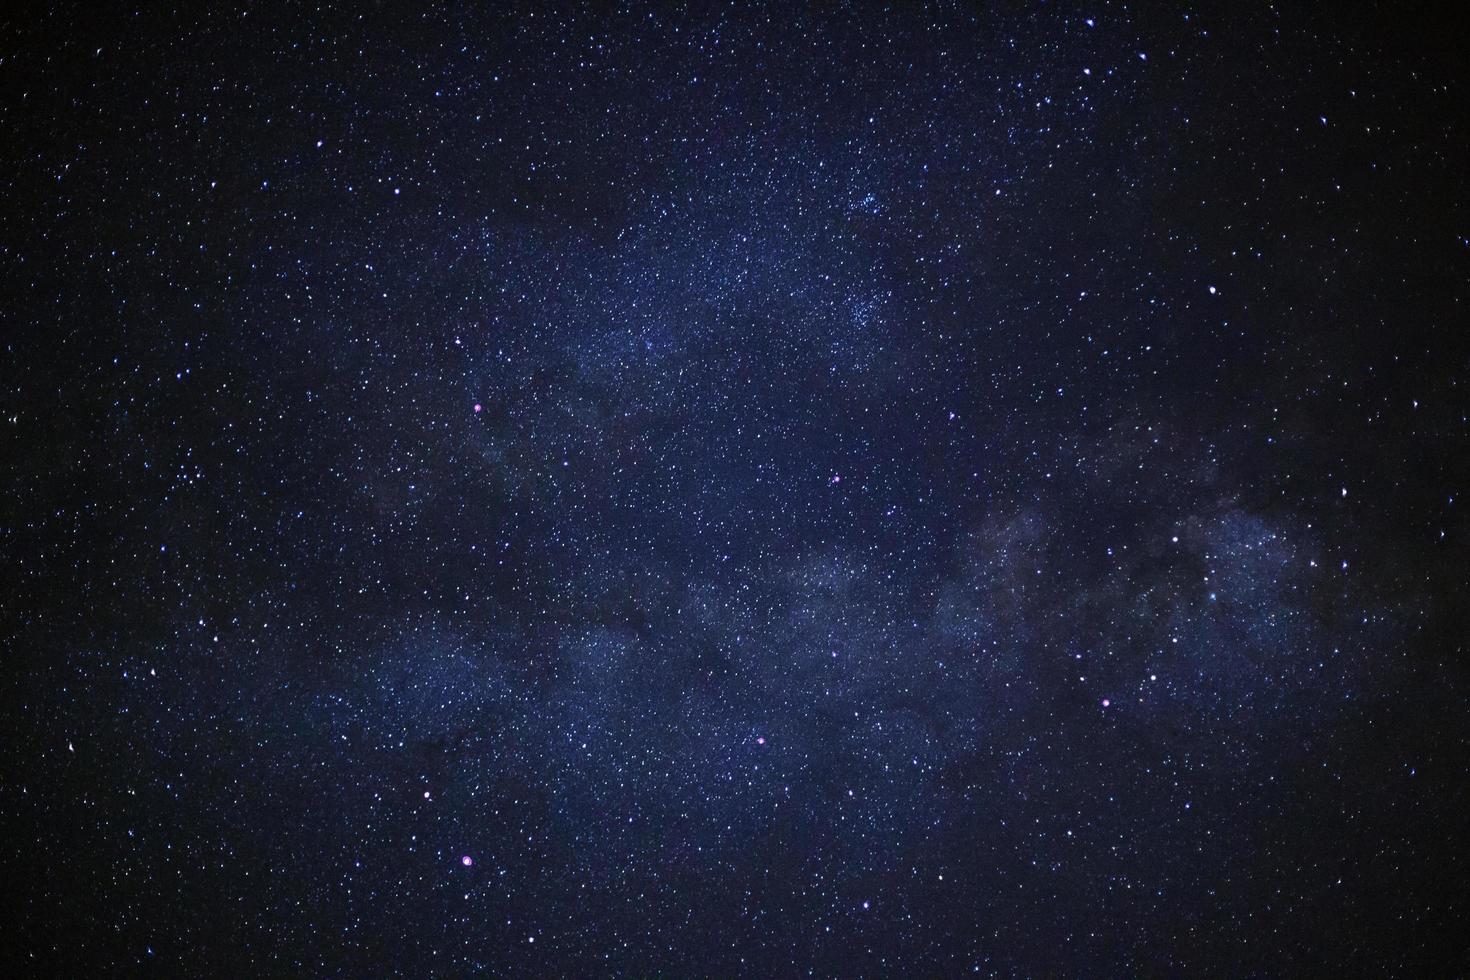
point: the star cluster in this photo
(746, 490)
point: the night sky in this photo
(734, 491)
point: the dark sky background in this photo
(734, 491)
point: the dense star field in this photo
(735, 491)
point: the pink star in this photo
(1106, 702)
(466, 860)
(479, 408)
(760, 740)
